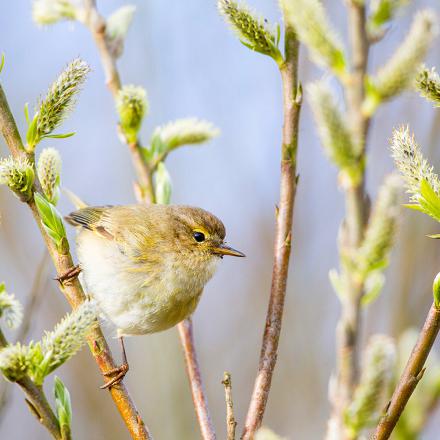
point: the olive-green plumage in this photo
(147, 265)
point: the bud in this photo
(400, 71)
(335, 134)
(45, 12)
(14, 362)
(436, 290)
(428, 84)
(48, 170)
(163, 185)
(54, 108)
(117, 27)
(10, 309)
(421, 182)
(132, 106)
(252, 31)
(370, 394)
(373, 253)
(68, 336)
(311, 23)
(19, 175)
(182, 132)
(63, 406)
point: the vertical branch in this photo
(283, 235)
(195, 379)
(230, 419)
(355, 217)
(411, 376)
(96, 24)
(73, 290)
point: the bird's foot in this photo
(68, 276)
(118, 373)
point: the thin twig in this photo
(230, 419)
(195, 379)
(283, 235)
(96, 24)
(73, 290)
(37, 401)
(411, 376)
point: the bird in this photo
(146, 265)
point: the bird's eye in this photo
(199, 236)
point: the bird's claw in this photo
(69, 275)
(119, 373)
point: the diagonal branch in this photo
(411, 376)
(283, 236)
(96, 24)
(73, 290)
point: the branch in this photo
(411, 376)
(73, 290)
(347, 339)
(283, 235)
(96, 24)
(195, 379)
(230, 419)
(37, 402)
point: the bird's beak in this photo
(226, 250)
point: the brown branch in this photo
(96, 24)
(283, 235)
(356, 207)
(411, 376)
(230, 419)
(37, 401)
(195, 379)
(73, 290)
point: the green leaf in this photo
(2, 62)
(430, 200)
(52, 222)
(435, 236)
(31, 134)
(63, 403)
(436, 290)
(26, 113)
(59, 136)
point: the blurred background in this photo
(191, 65)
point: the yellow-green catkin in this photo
(313, 27)
(49, 171)
(14, 362)
(428, 85)
(132, 107)
(19, 175)
(184, 132)
(379, 236)
(336, 137)
(46, 12)
(370, 394)
(11, 310)
(54, 108)
(399, 73)
(253, 31)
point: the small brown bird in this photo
(146, 266)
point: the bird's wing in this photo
(93, 219)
